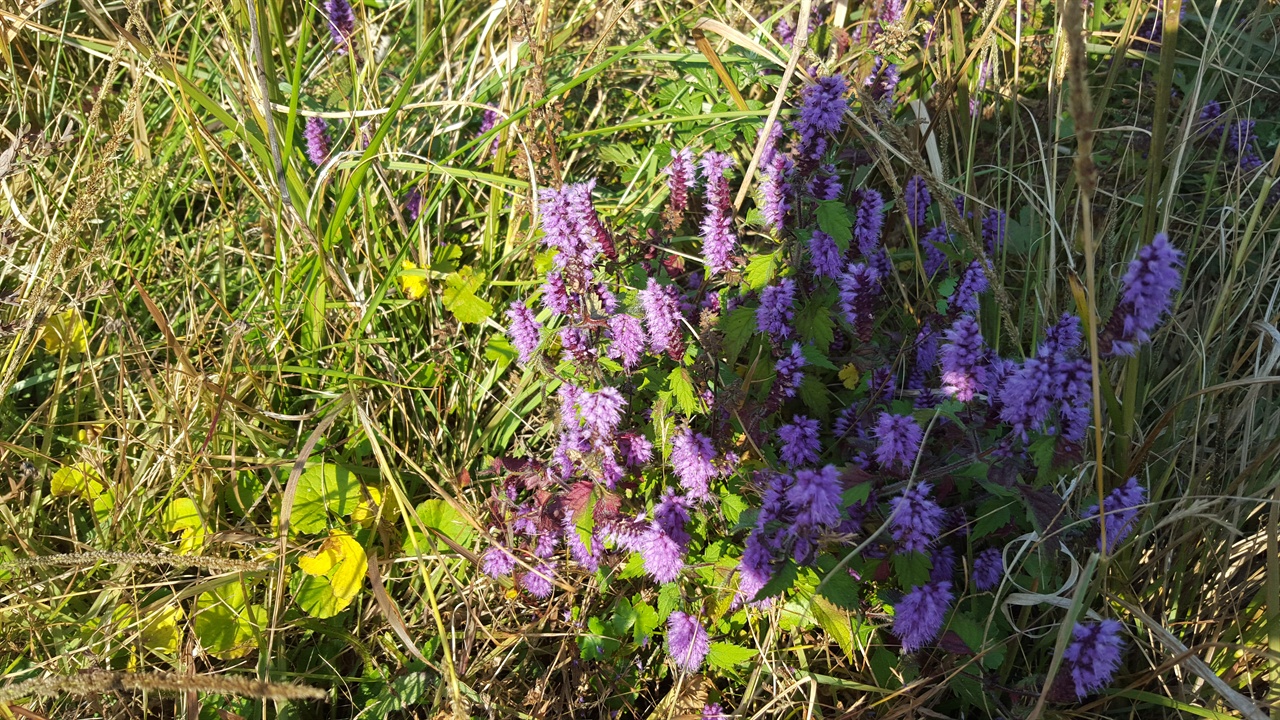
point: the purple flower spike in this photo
(816, 497)
(487, 123)
(790, 372)
(963, 370)
(988, 568)
(525, 330)
(680, 178)
(1094, 655)
(972, 283)
(342, 23)
(934, 258)
(636, 449)
(918, 617)
(718, 239)
(538, 583)
(825, 255)
(1149, 285)
(1123, 505)
(859, 290)
(825, 185)
(821, 113)
(663, 556)
(497, 562)
(317, 136)
(1057, 378)
(869, 223)
(995, 226)
(799, 441)
(775, 313)
(662, 316)
(774, 191)
(712, 711)
(601, 412)
(899, 437)
(917, 198)
(687, 641)
(627, 340)
(916, 520)
(691, 457)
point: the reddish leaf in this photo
(951, 642)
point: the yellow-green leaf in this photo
(413, 284)
(162, 632)
(182, 515)
(332, 576)
(438, 514)
(460, 297)
(226, 626)
(79, 479)
(65, 330)
(323, 489)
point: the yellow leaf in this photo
(226, 625)
(78, 479)
(334, 575)
(183, 516)
(849, 375)
(66, 329)
(412, 286)
(161, 633)
(376, 507)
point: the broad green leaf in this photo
(815, 396)
(837, 623)
(681, 388)
(584, 521)
(79, 479)
(782, 580)
(647, 621)
(182, 516)
(731, 506)
(911, 569)
(324, 489)
(737, 326)
(66, 330)
(161, 631)
(377, 506)
(760, 270)
(834, 220)
(332, 576)
(225, 625)
(668, 600)
(841, 590)
(438, 514)
(597, 644)
(815, 358)
(815, 326)
(992, 515)
(726, 656)
(460, 297)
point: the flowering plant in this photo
(800, 417)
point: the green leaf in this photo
(681, 388)
(624, 616)
(912, 568)
(331, 577)
(226, 626)
(841, 590)
(647, 621)
(815, 358)
(760, 270)
(598, 645)
(668, 600)
(438, 514)
(781, 581)
(883, 664)
(585, 519)
(726, 656)
(856, 494)
(815, 396)
(634, 567)
(460, 297)
(992, 515)
(323, 489)
(815, 326)
(837, 623)
(731, 506)
(834, 220)
(445, 259)
(737, 326)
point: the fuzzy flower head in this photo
(687, 641)
(636, 449)
(790, 372)
(525, 331)
(601, 412)
(934, 257)
(859, 290)
(497, 562)
(972, 284)
(1094, 655)
(916, 520)
(798, 441)
(899, 439)
(815, 495)
(627, 340)
(775, 200)
(692, 457)
(680, 178)
(538, 582)
(776, 310)
(825, 255)
(1152, 279)
(917, 199)
(821, 113)
(342, 23)
(963, 369)
(918, 617)
(662, 317)
(718, 239)
(869, 222)
(317, 137)
(995, 226)
(663, 556)
(988, 568)
(1123, 505)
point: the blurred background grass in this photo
(191, 308)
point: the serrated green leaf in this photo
(912, 569)
(815, 358)
(815, 396)
(841, 590)
(992, 515)
(783, 579)
(837, 623)
(834, 220)
(668, 600)
(681, 388)
(647, 621)
(731, 506)
(460, 297)
(726, 656)
(737, 326)
(634, 567)
(761, 270)
(856, 494)
(815, 326)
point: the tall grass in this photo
(193, 311)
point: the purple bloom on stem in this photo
(789, 371)
(899, 439)
(680, 178)
(555, 296)
(972, 283)
(774, 203)
(636, 448)
(670, 515)
(869, 222)
(1055, 379)
(663, 556)
(821, 113)
(775, 313)
(691, 457)
(859, 289)
(917, 199)
(799, 441)
(497, 562)
(916, 520)
(944, 565)
(601, 411)
(576, 342)
(538, 583)
(342, 23)
(662, 316)
(815, 495)
(1123, 505)
(825, 184)
(1094, 655)
(627, 340)
(718, 238)
(413, 204)
(712, 711)
(687, 641)
(963, 371)
(934, 258)
(1149, 285)
(988, 568)
(489, 122)
(995, 226)
(918, 617)
(525, 330)
(1240, 144)
(756, 568)
(824, 254)
(317, 137)
(882, 83)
